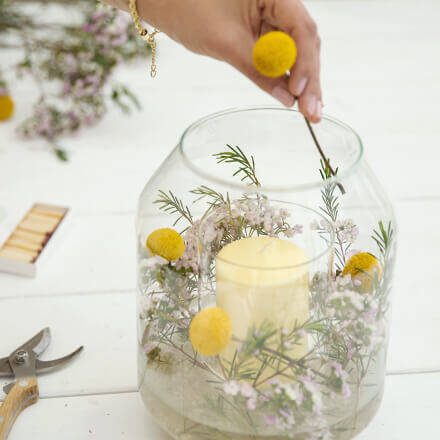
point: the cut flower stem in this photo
(321, 152)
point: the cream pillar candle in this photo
(263, 279)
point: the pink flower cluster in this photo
(108, 27)
(49, 121)
(190, 258)
(242, 217)
(290, 403)
(243, 390)
(295, 404)
(235, 220)
(83, 75)
(339, 377)
(259, 213)
(356, 317)
(346, 231)
(82, 62)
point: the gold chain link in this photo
(149, 38)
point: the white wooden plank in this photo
(409, 410)
(115, 416)
(105, 324)
(94, 181)
(416, 302)
(94, 254)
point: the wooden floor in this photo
(381, 73)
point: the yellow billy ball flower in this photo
(6, 107)
(365, 268)
(274, 54)
(167, 243)
(210, 331)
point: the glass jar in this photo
(264, 281)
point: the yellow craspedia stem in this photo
(274, 54)
(210, 331)
(167, 243)
(363, 267)
(6, 107)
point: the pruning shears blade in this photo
(45, 365)
(41, 341)
(5, 367)
(24, 362)
(37, 344)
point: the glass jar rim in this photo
(266, 188)
(327, 250)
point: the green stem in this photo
(321, 152)
(222, 367)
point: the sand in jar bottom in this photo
(173, 396)
(182, 428)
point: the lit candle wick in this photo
(266, 246)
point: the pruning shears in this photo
(23, 365)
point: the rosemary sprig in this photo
(331, 207)
(246, 165)
(214, 198)
(383, 237)
(172, 205)
(331, 201)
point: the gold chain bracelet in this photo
(149, 38)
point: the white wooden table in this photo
(381, 75)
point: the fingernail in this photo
(283, 96)
(311, 105)
(301, 86)
(318, 112)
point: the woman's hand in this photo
(228, 29)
